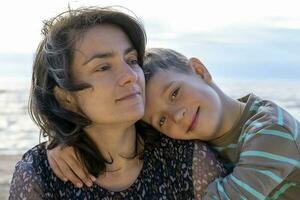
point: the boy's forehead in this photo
(162, 79)
(164, 76)
(154, 92)
(159, 80)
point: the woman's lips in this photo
(129, 96)
(194, 121)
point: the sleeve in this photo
(206, 168)
(25, 183)
(266, 158)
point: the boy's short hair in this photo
(163, 59)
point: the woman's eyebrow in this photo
(99, 55)
(107, 55)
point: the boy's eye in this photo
(133, 62)
(162, 121)
(174, 93)
(102, 68)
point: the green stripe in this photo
(271, 175)
(268, 173)
(249, 136)
(296, 129)
(218, 148)
(221, 189)
(256, 124)
(248, 188)
(242, 137)
(272, 132)
(282, 190)
(279, 115)
(250, 123)
(277, 133)
(214, 197)
(254, 107)
(230, 146)
(225, 180)
(271, 156)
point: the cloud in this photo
(250, 50)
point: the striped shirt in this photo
(261, 153)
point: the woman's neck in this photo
(116, 144)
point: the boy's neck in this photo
(232, 115)
(232, 112)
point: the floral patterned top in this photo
(173, 169)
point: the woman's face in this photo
(106, 59)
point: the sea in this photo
(18, 133)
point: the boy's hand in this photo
(66, 166)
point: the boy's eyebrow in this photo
(163, 92)
(107, 55)
(130, 49)
(167, 88)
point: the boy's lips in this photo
(194, 120)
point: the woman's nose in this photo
(128, 76)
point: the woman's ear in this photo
(197, 67)
(64, 98)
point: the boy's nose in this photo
(178, 114)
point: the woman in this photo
(88, 93)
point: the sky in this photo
(239, 38)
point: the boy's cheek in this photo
(175, 133)
(166, 131)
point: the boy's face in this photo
(183, 106)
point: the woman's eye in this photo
(102, 68)
(162, 121)
(174, 94)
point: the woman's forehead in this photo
(104, 40)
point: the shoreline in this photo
(7, 166)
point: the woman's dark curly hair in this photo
(52, 66)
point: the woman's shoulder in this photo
(35, 159)
(168, 148)
(35, 154)
(27, 178)
(169, 162)
(162, 146)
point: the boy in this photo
(257, 139)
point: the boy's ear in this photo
(64, 98)
(197, 67)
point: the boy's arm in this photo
(66, 166)
(266, 158)
(206, 168)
